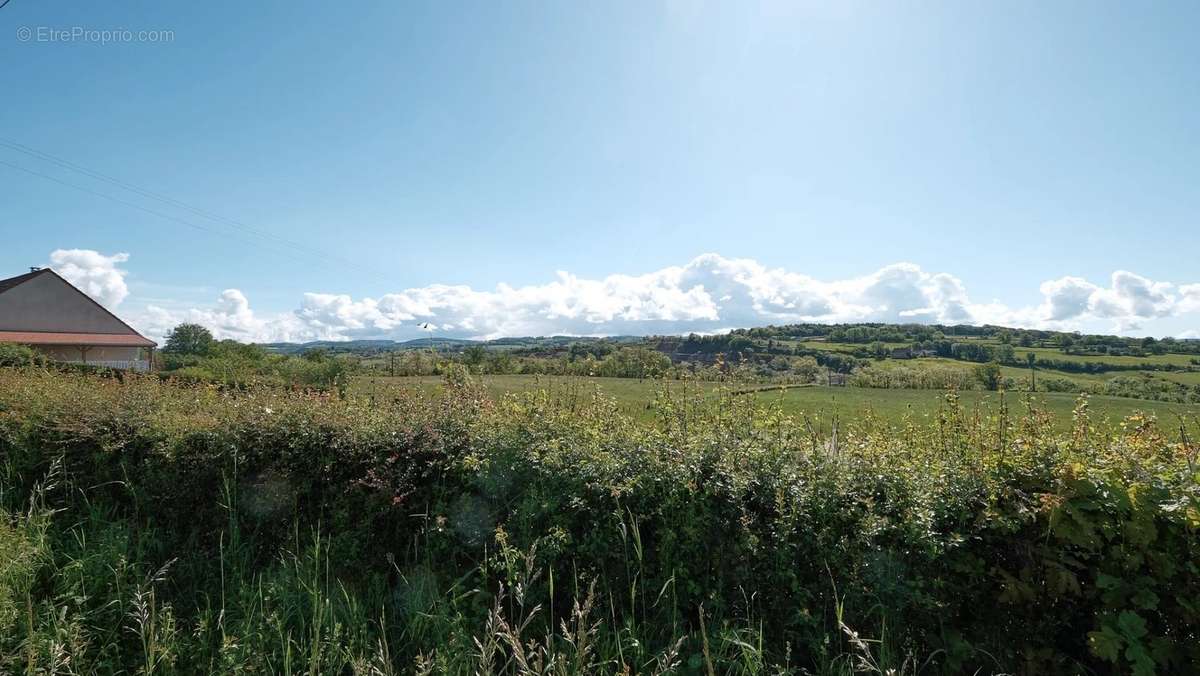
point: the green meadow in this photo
(816, 402)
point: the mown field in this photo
(1182, 360)
(820, 404)
(159, 527)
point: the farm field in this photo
(633, 394)
(1014, 372)
(1020, 373)
(1183, 360)
(894, 405)
(876, 356)
(635, 397)
(1185, 377)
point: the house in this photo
(44, 311)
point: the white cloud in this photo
(93, 273)
(708, 294)
(1133, 296)
(1067, 298)
(231, 317)
(1189, 298)
(1129, 300)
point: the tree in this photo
(877, 349)
(189, 339)
(740, 344)
(635, 362)
(499, 362)
(1004, 354)
(1153, 346)
(989, 375)
(805, 369)
(473, 357)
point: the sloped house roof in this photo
(42, 308)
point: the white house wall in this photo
(114, 357)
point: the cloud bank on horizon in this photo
(710, 293)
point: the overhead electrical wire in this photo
(127, 203)
(66, 164)
(164, 199)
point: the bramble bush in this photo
(161, 527)
(233, 364)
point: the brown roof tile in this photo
(6, 284)
(47, 338)
(132, 339)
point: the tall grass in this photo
(155, 528)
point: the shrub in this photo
(923, 377)
(1145, 387)
(239, 365)
(634, 362)
(12, 354)
(989, 375)
(191, 374)
(212, 530)
(1053, 384)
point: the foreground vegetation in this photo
(158, 527)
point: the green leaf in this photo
(1143, 664)
(1145, 599)
(1105, 644)
(1132, 625)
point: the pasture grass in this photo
(1184, 377)
(637, 398)
(1124, 360)
(895, 405)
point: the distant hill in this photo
(439, 343)
(863, 341)
(366, 346)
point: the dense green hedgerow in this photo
(12, 354)
(159, 527)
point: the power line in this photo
(127, 203)
(230, 222)
(66, 164)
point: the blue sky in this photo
(811, 147)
